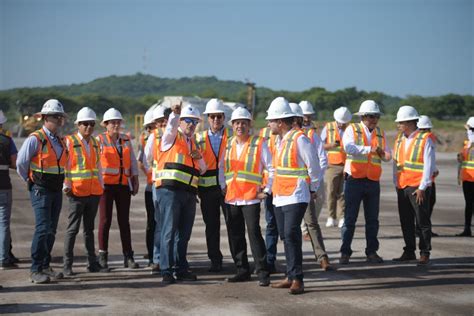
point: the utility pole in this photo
(250, 96)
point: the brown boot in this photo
(424, 260)
(325, 265)
(285, 284)
(297, 287)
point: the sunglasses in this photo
(372, 116)
(92, 124)
(57, 116)
(216, 116)
(190, 121)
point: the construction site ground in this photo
(445, 287)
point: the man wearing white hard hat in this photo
(83, 186)
(8, 154)
(310, 225)
(413, 165)
(240, 175)
(366, 147)
(212, 143)
(466, 158)
(331, 136)
(120, 175)
(295, 183)
(41, 163)
(179, 164)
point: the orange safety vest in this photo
(243, 174)
(143, 139)
(287, 170)
(336, 155)
(467, 165)
(83, 172)
(175, 167)
(210, 179)
(116, 166)
(266, 134)
(310, 133)
(410, 163)
(46, 169)
(369, 166)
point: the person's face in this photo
(56, 120)
(113, 126)
(342, 125)
(307, 119)
(406, 127)
(371, 120)
(274, 126)
(86, 128)
(216, 121)
(241, 127)
(188, 125)
(161, 122)
(151, 126)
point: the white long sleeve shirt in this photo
(307, 157)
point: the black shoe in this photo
(215, 267)
(168, 279)
(374, 258)
(465, 233)
(239, 278)
(272, 268)
(67, 271)
(96, 267)
(103, 258)
(13, 258)
(264, 279)
(433, 234)
(406, 256)
(7, 265)
(129, 262)
(186, 276)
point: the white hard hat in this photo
(214, 106)
(190, 111)
(407, 113)
(470, 122)
(342, 115)
(240, 114)
(85, 114)
(3, 118)
(296, 109)
(148, 117)
(158, 112)
(112, 114)
(52, 106)
(424, 122)
(307, 107)
(368, 107)
(279, 108)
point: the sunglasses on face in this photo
(92, 124)
(190, 121)
(216, 116)
(57, 116)
(373, 116)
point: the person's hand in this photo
(314, 195)
(176, 108)
(67, 191)
(195, 154)
(261, 195)
(459, 157)
(135, 185)
(436, 173)
(420, 196)
(380, 152)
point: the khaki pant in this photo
(335, 191)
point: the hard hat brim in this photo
(365, 113)
(38, 114)
(212, 112)
(190, 116)
(277, 117)
(85, 120)
(409, 119)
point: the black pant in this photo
(150, 224)
(411, 214)
(239, 216)
(468, 190)
(212, 201)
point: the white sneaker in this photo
(341, 223)
(331, 222)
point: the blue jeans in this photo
(5, 215)
(271, 231)
(177, 210)
(157, 233)
(289, 219)
(47, 206)
(355, 192)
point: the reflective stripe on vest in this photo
(336, 155)
(410, 163)
(46, 160)
(116, 167)
(467, 164)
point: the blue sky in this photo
(396, 47)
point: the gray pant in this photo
(85, 209)
(311, 220)
(335, 196)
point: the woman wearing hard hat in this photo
(120, 174)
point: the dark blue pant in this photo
(355, 192)
(150, 224)
(47, 207)
(271, 231)
(289, 219)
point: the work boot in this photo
(374, 258)
(53, 274)
(424, 260)
(344, 259)
(325, 265)
(129, 262)
(39, 278)
(215, 267)
(465, 233)
(96, 267)
(67, 271)
(103, 258)
(285, 284)
(297, 287)
(406, 256)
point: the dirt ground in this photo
(446, 287)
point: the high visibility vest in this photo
(467, 165)
(46, 169)
(116, 165)
(243, 175)
(143, 140)
(410, 162)
(210, 179)
(309, 132)
(175, 167)
(266, 134)
(369, 166)
(287, 170)
(336, 155)
(157, 134)
(83, 173)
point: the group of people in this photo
(231, 170)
